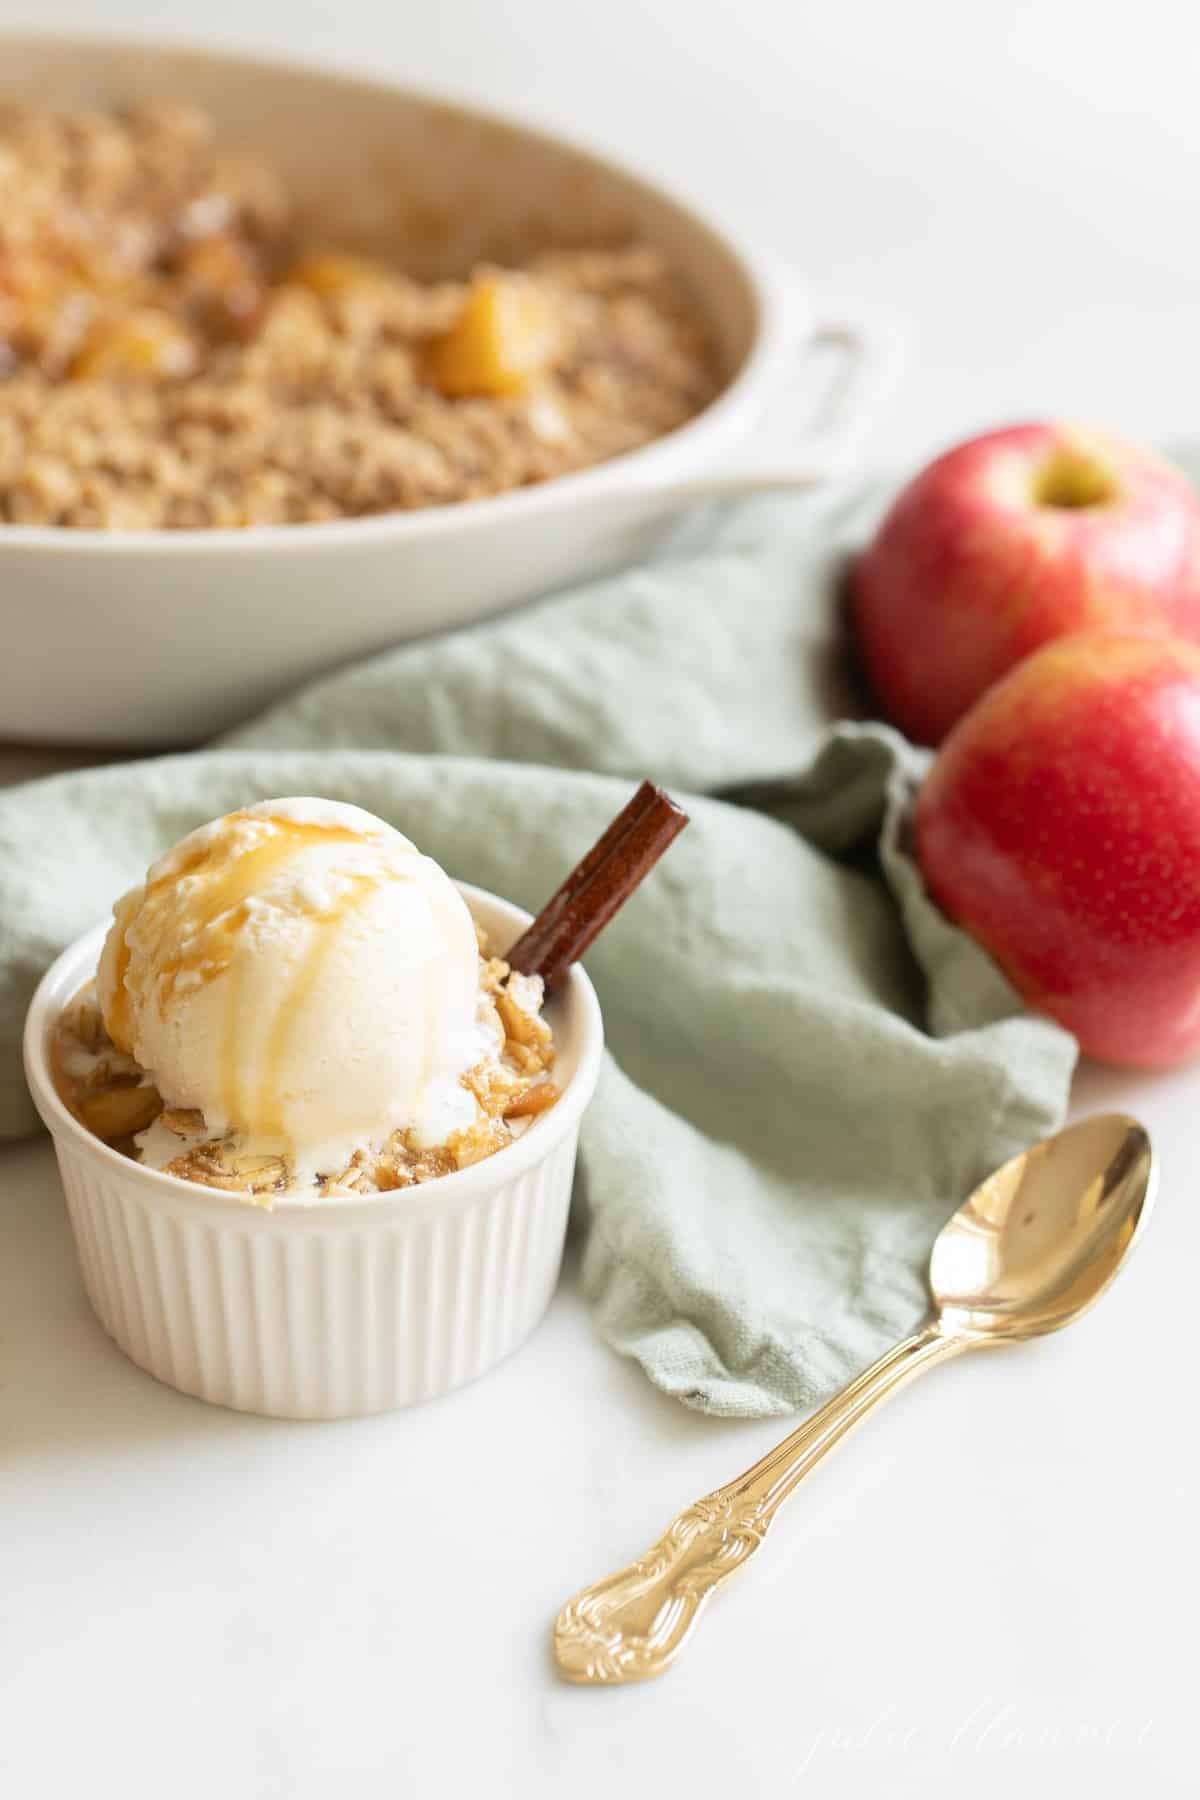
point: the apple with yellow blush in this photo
(1059, 824)
(1012, 540)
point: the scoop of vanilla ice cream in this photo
(304, 977)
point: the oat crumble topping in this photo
(171, 356)
(115, 1099)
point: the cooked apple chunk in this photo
(507, 334)
(146, 344)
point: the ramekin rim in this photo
(476, 1182)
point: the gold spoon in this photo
(1034, 1246)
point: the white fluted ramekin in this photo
(335, 1308)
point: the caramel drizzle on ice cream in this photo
(220, 878)
(222, 895)
(270, 1122)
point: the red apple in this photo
(1060, 825)
(1009, 541)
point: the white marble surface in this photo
(993, 1587)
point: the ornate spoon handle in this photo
(632, 1625)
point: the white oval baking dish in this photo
(154, 638)
(335, 1308)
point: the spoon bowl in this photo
(1042, 1238)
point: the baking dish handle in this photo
(843, 374)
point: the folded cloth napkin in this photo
(809, 1066)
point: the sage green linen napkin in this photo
(809, 1066)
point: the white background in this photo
(994, 1586)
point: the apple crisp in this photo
(116, 1100)
(173, 356)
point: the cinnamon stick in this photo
(598, 886)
